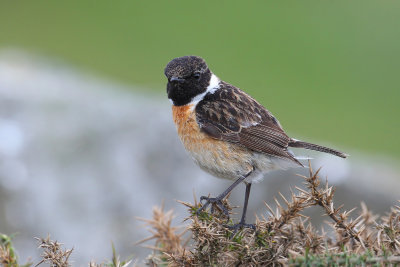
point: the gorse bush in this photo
(286, 238)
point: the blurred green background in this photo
(329, 70)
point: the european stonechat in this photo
(227, 132)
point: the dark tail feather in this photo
(301, 144)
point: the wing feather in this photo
(231, 115)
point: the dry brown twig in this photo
(324, 198)
(53, 253)
(168, 241)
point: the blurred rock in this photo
(82, 157)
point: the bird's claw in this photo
(214, 201)
(240, 225)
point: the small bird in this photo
(227, 132)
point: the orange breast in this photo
(222, 159)
(188, 129)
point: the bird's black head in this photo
(188, 77)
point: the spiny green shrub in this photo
(285, 238)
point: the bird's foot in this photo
(240, 225)
(215, 202)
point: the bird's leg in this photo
(242, 222)
(218, 200)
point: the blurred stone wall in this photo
(81, 158)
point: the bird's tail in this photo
(301, 144)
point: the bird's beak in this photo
(176, 79)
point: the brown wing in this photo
(231, 115)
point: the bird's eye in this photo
(196, 75)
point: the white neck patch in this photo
(211, 88)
